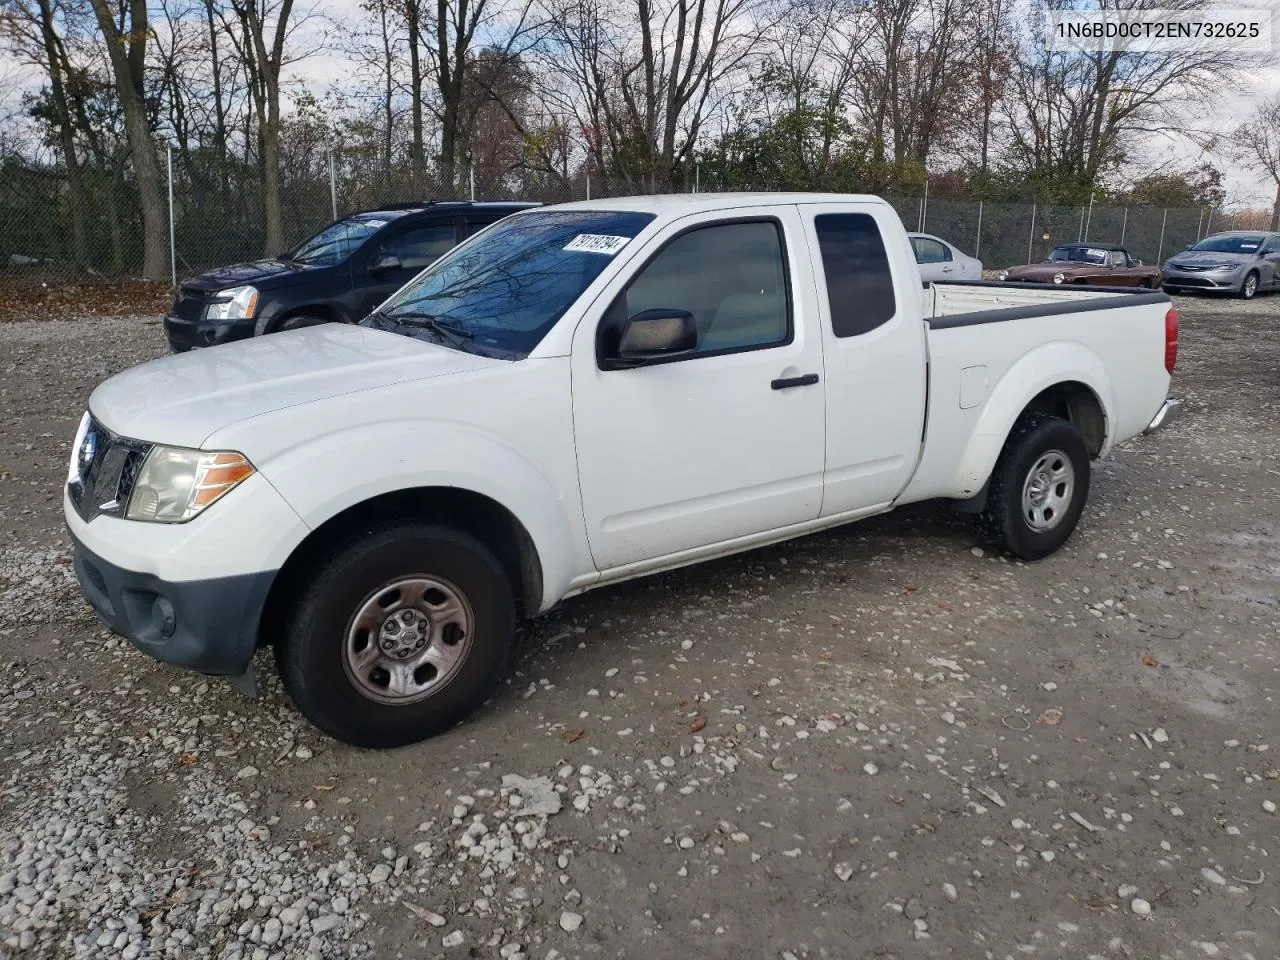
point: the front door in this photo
(874, 351)
(721, 443)
(401, 256)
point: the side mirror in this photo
(385, 262)
(1137, 263)
(657, 334)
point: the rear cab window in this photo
(859, 280)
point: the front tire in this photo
(398, 636)
(1249, 288)
(299, 322)
(1038, 489)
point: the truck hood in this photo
(183, 399)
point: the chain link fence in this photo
(217, 219)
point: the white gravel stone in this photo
(570, 921)
(455, 939)
(1140, 907)
(843, 872)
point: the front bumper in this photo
(1208, 280)
(185, 334)
(206, 625)
(1169, 411)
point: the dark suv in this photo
(340, 274)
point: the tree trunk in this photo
(271, 173)
(417, 159)
(66, 135)
(1275, 210)
(146, 169)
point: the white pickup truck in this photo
(574, 396)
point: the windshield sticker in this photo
(597, 243)
(1247, 245)
(1101, 254)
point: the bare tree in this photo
(647, 76)
(1257, 143)
(1075, 114)
(126, 30)
(261, 43)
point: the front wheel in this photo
(1038, 489)
(398, 636)
(299, 322)
(1250, 286)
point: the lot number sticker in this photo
(597, 243)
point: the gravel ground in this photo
(878, 742)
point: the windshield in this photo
(1077, 255)
(339, 240)
(1229, 244)
(504, 290)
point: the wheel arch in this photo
(1059, 379)
(473, 513)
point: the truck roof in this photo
(677, 203)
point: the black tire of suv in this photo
(298, 322)
(1002, 523)
(310, 657)
(1244, 293)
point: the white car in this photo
(575, 396)
(939, 260)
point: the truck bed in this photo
(988, 342)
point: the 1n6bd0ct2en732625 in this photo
(575, 396)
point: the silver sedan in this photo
(1242, 262)
(939, 260)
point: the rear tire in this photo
(1038, 488)
(398, 635)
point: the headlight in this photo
(241, 305)
(78, 455)
(1002, 275)
(1058, 278)
(175, 484)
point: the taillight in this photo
(1171, 340)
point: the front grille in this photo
(108, 467)
(1190, 282)
(189, 304)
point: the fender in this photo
(1029, 375)
(321, 477)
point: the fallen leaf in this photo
(1051, 718)
(697, 724)
(317, 786)
(188, 759)
(572, 736)
(1151, 661)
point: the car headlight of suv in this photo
(240, 304)
(175, 484)
(1058, 277)
(1002, 275)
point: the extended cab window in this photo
(856, 266)
(730, 276)
(419, 246)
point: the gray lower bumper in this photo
(1168, 412)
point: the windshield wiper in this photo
(427, 321)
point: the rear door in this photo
(874, 351)
(401, 254)
(725, 442)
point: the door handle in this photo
(947, 269)
(787, 382)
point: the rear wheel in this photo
(1250, 286)
(1038, 489)
(398, 636)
